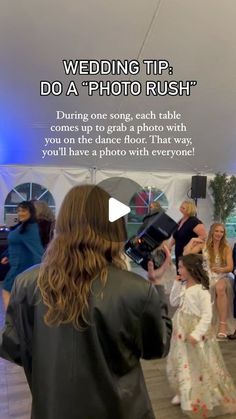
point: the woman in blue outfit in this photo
(24, 247)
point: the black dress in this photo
(183, 235)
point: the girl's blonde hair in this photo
(85, 242)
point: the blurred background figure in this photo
(189, 226)
(154, 209)
(24, 247)
(155, 206)
(46, 221)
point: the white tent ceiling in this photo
(198, 38)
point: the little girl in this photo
(195, 366)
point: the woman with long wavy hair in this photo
(80, 322)
(83, 246)
(219, 263)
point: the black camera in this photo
(143, 247)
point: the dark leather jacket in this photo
(95, 373)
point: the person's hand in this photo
(191, 340)
(170, 244)
(194, 245)
(4, 260)
(217, 270)
(155, 275)
(196, 240)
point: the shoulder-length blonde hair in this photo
(191, 208)
(222, 247)
(85, 242)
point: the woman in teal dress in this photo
(24, 247)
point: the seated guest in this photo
(80, 322)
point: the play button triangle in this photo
(117, 209)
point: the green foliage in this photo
(224, 194)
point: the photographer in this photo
(80, 322)
(154, 209)
(152, 235)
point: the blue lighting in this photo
(16, 137)
(11, 152)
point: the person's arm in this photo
(9, 338)
(229, 263)
(171, 243)
(205, 307)
(156, 326)
(155, 275)
(17, 336)
(234, 258)
(4, 260)
(4, 256)
(195, 245)
(200, 230)
(33, 244)
(175, 294)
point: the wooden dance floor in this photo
(15, 396)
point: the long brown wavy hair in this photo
(194, 265)
(223, 246)
(85, 242)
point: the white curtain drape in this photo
(176, 186)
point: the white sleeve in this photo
(175, 294)
(205, 308)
